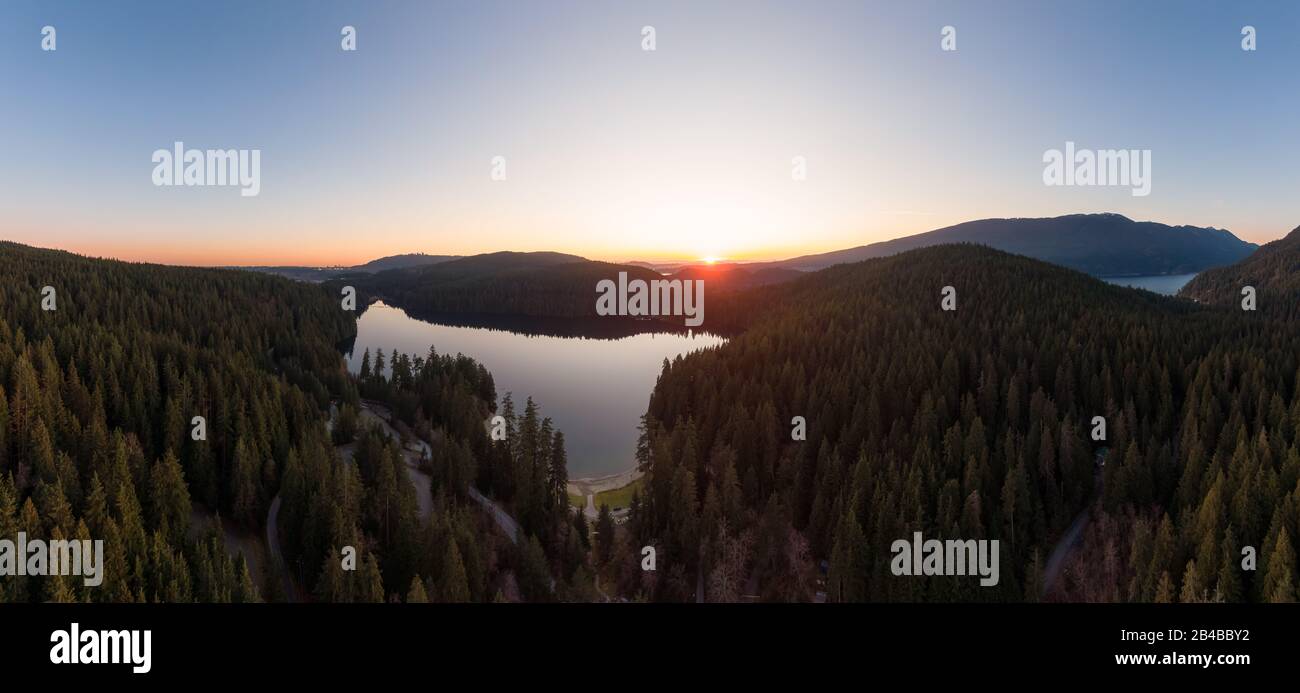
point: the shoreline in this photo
(587, 486)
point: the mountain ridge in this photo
(1102, 244)
(1273, 270)
(320, 274)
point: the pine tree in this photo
(244, 484)
(247, 591)
(169, 498)
(534, 575)
(54, 507)
(42, 452)
(683, 519)
(1164, 589)
(1228, 585)
(371, 582)
(4, 433)
(96, 513)
(57, 589)
(364, 372)
(12, 588)
(1283, 590)
(848, 570)
(331, 586)
(116, 587)
(1191, 592)
(416, 594)
(580, 528)
(1279, 581)
(604, 534)
(559, 474)
(129, 520)
(455, 586)
(1034, 580)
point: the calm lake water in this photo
(595, 390)
(1167, 284)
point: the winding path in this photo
(422, 481)
(273, 543)
(423, 489)
(503, 518)
(1064, 547)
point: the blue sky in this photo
(618, 153)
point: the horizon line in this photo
(682, 259)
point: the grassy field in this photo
(577, 501)
(619, 497)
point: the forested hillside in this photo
(97, 400)
(448, 402)
(971, 423)
(539, 285)
(733, 277)
(320, 274)
(1273, 270)
(974, 423)
(531, 284)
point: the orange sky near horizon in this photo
(343, 248)
(192, 256)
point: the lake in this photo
(1167, 284)
(594, 389)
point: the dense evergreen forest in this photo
(552, 286)
(529, 284)
(97, 441)
(1273, 270)
(97, 400)
(455, 554)
(970, 423)
(974, 423)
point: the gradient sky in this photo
(619, 154)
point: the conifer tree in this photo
(1279, 581)
(169, 497)
(604, 534)
(370, 581)
(416, 594)
(455, 586)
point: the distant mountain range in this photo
(562, 285)
(1103, 245)
(320, 274)
(732, 276)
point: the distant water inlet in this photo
(595, 390)
(1167, 284)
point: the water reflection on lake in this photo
(595, 390)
